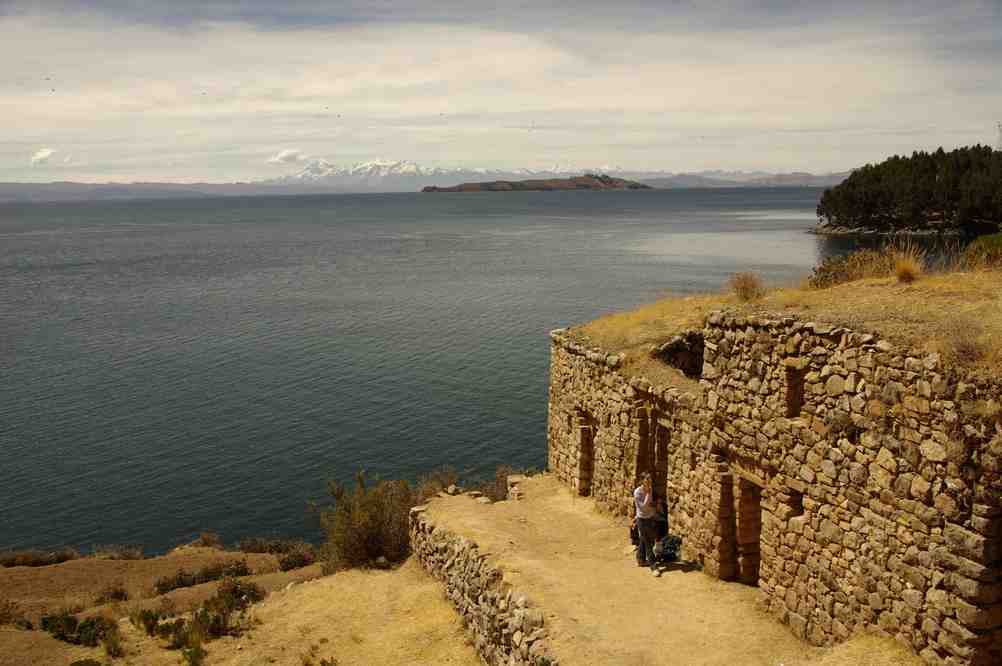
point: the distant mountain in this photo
(796, 179)
(585, 182)
(320, 176)
(388, 176)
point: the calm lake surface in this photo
(172, 366)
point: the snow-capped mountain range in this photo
(408, 176)
(321, 176)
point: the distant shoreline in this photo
(585, 182)
(850, 232)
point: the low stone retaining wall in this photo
(506, 629)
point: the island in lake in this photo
(588, 181)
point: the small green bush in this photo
(113, 592)
(368, 522)
(303, 555)
(747, 286)
(213, 619)
(209, 539)
(65, 627)
(435, 482)
(112, 641)
(146, 619)
(270, 545)
(206, 574)
(11, 614)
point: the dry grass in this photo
(909, 263)
(923, 315)
(747, 286)
(631, 333)
(869, 650)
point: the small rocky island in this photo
(588, 181)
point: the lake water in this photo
(169, 366)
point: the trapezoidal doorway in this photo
(749, 530)
(586, 453)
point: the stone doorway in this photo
(586, 454)
(748, 509)
(740, 529)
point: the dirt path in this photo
(602, 609)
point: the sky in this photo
(222, 91)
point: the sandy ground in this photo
(578, 567)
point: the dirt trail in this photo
(602, 609)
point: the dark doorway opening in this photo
(586, 454)
(749, 530)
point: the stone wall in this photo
(857, 484)
(505, 628)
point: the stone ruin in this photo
(855, 483)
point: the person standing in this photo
(643, 498)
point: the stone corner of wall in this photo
(506, 628)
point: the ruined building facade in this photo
(856, 484)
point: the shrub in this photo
(747, 286)
(848, 268)
(112, 592)
(86, 662)
(146, 619)
(194, 654)
(37, 558)
(208, 539)
(117, 552)
(984, 253)
(964, 345)
(213, 619)
(303, 555)
(206, 574)
(65, 627)
(497, 488)
(112, 641)
(11, 614)
(909, 262)
(435, 482)
(273, 546)
(368, 522)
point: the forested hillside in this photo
(960, 190)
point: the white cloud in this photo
(41, 156)
(288, 156)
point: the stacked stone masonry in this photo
(505, 627)
(855, 483)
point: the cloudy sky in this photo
(220, 90)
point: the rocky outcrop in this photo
(505, 627)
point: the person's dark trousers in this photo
(645, 549)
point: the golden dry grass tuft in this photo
(909, 263)
(747, 286)
(869, 650)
